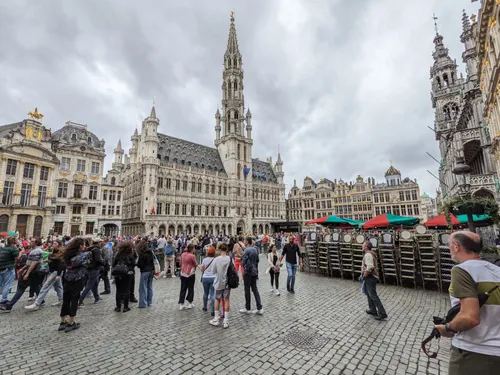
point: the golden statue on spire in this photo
(232, 14)
(35, 115)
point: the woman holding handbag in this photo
(145, 263)
(123, 271)
(207, 279)
(274, 266)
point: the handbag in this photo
(156, 264)
(201, 279)
(120, 269)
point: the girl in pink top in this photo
(188, 269)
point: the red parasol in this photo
(440, 221)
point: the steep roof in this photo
(65, 134)
(180, 151)
(425, 195)
(392, 172)
(5, 129)
(263, 170)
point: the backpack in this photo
(120, 269)
(233, 281)
(76, 267)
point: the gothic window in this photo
(445, 80)
(452, 78)
(73, 137)
(239, 151)
(89, 141)
(236, 115)
(438, 81)
(245, 153)
(235, 85)
(238, 170)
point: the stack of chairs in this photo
(427, 256)
(387, 254)
(323, 256)
(407, 258)
(312, 256)
(445, 263)
(334, 252)
(346, 255)
(357, 254)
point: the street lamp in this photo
(462, 170)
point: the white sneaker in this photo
(56, 303)
(272, 290)
(173, 276)
(214, 322)
(32, 307)
(164, 277)
(225, 324)
(189, 306)
(277, 292)
(258, 312)
(31, 298)
(182, 307)
(245, 311)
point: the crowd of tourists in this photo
(75, 267)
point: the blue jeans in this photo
(146, 289)
(290, 281)
(49, 283)
(208, 290)
(92, 284)
(6, 278)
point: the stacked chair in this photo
(346, 259)
(444, 260)
(334, 252)
(407, 258)
(323, 255)
(312, 259)
(357, 254)
(387, 254)
(427, 256)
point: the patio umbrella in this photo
(8, 234)
(356, 223)
(440, 221)
(335, 220)
(389, 220)
(319, 220)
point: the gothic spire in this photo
(232, 41)
(119, 146)
(465, 22)
(153, 112)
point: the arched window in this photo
(113, 180)
(89, 141)
(438, 81)
(4, 223)
(238, 170)
(239, 151)
(236, 115)
(245, 153)
(236, 85)
(73, 137)
(445, 80)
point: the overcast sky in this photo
(343, 86)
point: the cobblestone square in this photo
(322, 329)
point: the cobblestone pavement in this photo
(322, 329)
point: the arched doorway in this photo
(180, 229)
(240, 227)
(223, 229)
(261, 229)
(196, 230)
(22, 222)
(210, 229)
(203, 229)
(171, 230)
(266, 229)
(161, 230)
(230, 229)
(110, 230)
(4, 223)
(37, 229)
(188, 229)
(483, 193)
(254, 229)
(217, 229)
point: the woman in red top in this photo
(188, 269)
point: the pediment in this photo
(32, 149)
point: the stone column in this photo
(19, 179)
(36, 184)
(30, 226)
(3, 170)
(12, 223)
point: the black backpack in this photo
(233, 281)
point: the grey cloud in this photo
(342, 86)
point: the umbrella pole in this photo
(470, 222)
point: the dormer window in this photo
(89, 141)
(73, 137)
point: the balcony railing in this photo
(482, 180)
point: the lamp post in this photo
(462, 170)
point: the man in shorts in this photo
(222, 291)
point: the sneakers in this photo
(258, 312)
(133, 300)
(71, 327)
(62, 327)
(182, 307)
(245, 311)
(369, 312)
(81, 304)
(381, 317)
(118, 309)
(32, 307)
(225, 324)
(214, 322)
(105, 292)
(189, 306)
(98, 300)
(277, 292)
(272, 290)
(126, 309)
(5, 308)
(56, 303)
(31, 298)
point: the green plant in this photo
(452, 205)
(489, 250)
